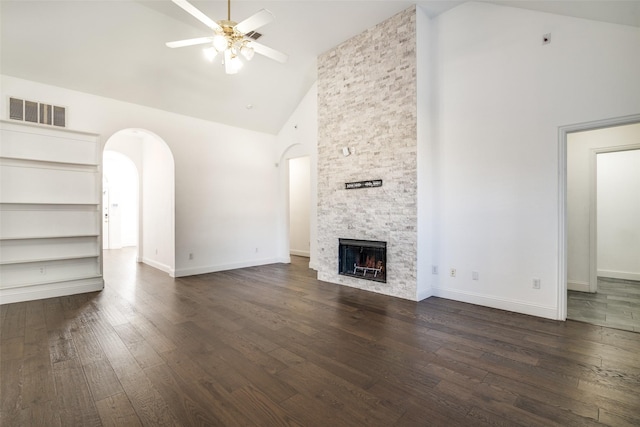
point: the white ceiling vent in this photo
(37, 112)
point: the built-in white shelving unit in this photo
(50, 212)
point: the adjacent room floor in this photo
(615, 305)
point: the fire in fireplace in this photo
(364, 259)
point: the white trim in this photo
(562, 197)
(50, 290)
(579, 286)
(499, 303)
(160, 266)
(299, 253)
(424, 294)
(222, 267)
(624, 275)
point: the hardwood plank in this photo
(357, 403)
(102, 380)
(181, 398)
(42, 413)
(12, 348)
(75, 404)
(11, 391)
(39, 383)
(148, 404)
(263, 410)
(14, 322)
(573, 401)
(214, 395)
(116, 411)
(311, 411)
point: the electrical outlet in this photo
(536, 283)
(434, 269)
(190, 255)
(43, 270)
(475, 275)
(452, 272)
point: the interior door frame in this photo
(563, 131)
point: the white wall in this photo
(299, 205)
(501, 96)
(426, 134)
(298, 138)
(581, 147)
(157, 247)
(619, 214)
(226, 185)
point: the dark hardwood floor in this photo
(273, 346)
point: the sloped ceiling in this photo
(115, 48)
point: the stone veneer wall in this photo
(367, 102)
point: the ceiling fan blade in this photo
(255, 21)
(189, 42)
(268, 52)
(193, 11)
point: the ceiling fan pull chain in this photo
(228, 10)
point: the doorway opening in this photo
(139, 178)
(299, 206)
(582, 147)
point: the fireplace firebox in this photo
(364, 259)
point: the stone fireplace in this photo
(367, 132)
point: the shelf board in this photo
(44, 162)
(38, 260)
(68, 236)
(52, 204)
(48, 282)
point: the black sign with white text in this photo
(363, 184)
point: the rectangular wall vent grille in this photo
(59, 116)
(37, 112)
(16, 109)
(30, 111)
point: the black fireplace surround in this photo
(364, 259)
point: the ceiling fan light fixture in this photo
(210, 53)
(232, 63)
(220, 42)
(247, 52)
(230, 38)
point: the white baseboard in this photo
(424, 294)
(222, 267)
(575, 285)
(313, 266)
(160, 266)
(50, 290)
(499, 303)
(300, 253)
(624, 275)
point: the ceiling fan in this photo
(230, 38)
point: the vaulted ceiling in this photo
(116, 49)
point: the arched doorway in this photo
(153, 161)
